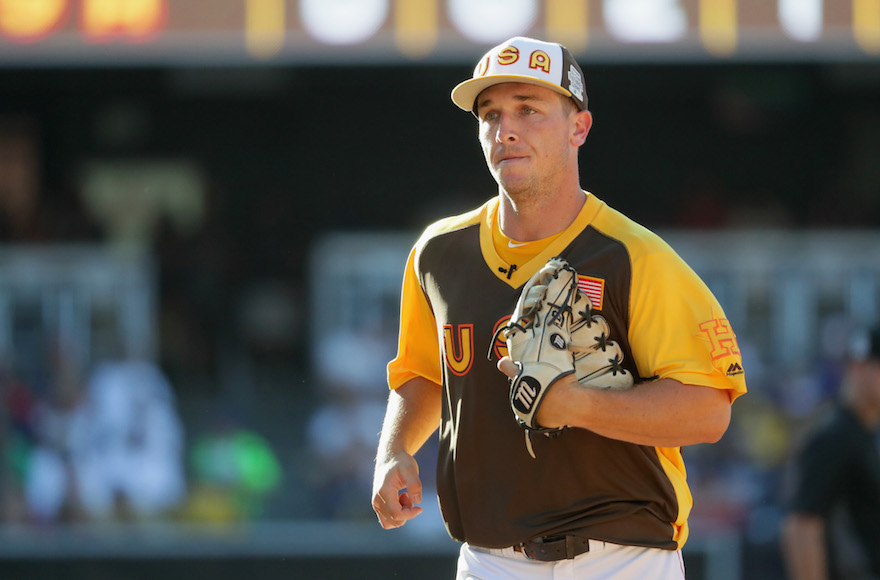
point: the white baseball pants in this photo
(604, 561)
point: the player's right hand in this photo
(397, 490)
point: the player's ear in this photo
(582, 121)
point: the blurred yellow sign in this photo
(387, 31)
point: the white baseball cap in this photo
(524, 60)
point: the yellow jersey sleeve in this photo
(677, 328)
(418, 349)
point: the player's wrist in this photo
(559, 404)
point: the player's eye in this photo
(490, 116)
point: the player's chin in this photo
(518, 187)
(513, 179)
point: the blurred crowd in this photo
(117, 438)
(111, 445)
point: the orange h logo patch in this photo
(721, 336)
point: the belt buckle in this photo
(545, 549)
(528, 550)
(552, 549)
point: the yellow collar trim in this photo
(531, 262)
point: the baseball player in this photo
(614, 355)
(835, 480)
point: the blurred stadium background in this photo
(204, 210)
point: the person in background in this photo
(832, 528)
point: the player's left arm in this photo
(662, 413)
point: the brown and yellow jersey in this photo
(462, 281)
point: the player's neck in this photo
(537, 217)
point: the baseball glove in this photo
(538, 338)
(597, 358)
(551, 334)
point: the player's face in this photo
(526, 135)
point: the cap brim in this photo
(465, 93)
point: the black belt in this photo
(551, 549)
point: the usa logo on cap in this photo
(524, 60)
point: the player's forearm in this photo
(803, 546)
(662, 413)
(412, 415)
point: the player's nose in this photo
(506, 131)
